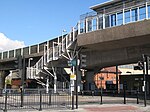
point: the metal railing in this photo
(124, 16)
(35, 99)
(22, 51)
(112, 97)
(53, 53)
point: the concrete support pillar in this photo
(90, 80)
(3, 75)
(96, 71)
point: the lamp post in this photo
(29, 65)
(29, 62)
(63, 31)
(77, 71)
(144, 79)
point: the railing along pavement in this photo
(35, 99)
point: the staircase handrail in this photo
(48, 54)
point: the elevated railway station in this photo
(117, 33)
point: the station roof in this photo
(110, 70)
(105, 4)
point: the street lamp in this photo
(63, 31)
(29, 62)
(29, 66)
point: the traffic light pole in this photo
(116, 79)
(147, 68)
(77, 71)
(144, 78)
(22, 81)
(20, 68)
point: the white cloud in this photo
(8, 44)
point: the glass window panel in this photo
(134, 15)
(94, 23)
(107, 21)
(82, 27)
(127, 16)
(149, 11)
(120, 18)
(142, 13)
(100, 22)
(89, 25)
(113, 20)
(5, 54)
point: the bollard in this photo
(5, 110)
(72, 100)
(40, 101)
(101, 96)
(124, 94)
(50, 97)
(22, 94)
(82, 93)
(137, 93)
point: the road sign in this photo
(72, 63)
(72, 77)
(83, 61)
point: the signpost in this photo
(73, 77)
(145, 66)
(72, 63)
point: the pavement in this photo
(98, 108)
(92, 104)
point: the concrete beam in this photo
(132, 34)
(116, 56)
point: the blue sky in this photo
(35, 21)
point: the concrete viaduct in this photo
(116, 46)
(104, 47)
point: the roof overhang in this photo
(104, 4)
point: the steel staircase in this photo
(54, 53)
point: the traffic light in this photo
(140, 66)
(82, 61)
(148, 62)
(19, 63)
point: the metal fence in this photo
(35, 99)
(112, 97)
